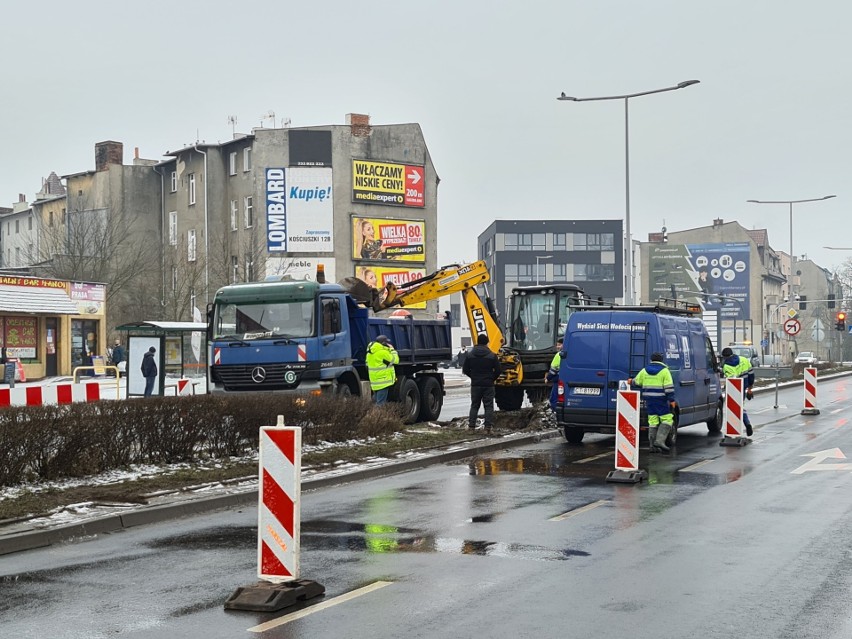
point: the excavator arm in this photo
(446, 281)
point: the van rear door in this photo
(584, 373)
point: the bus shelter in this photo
(180, 352)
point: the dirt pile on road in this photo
(533, 418)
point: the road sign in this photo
(792, 313)
(764, 342)
(792, 327)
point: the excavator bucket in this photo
(375, 298)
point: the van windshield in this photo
(264, 320)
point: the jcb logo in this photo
(479, 322)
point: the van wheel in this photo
(409, 398)
(431, 398)
(715, 425)
(574, 435)
(509, 398)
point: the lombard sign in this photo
(299, 210)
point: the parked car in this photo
(747, 351)
(807, 358)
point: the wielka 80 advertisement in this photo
(382, 239)
(388, 183)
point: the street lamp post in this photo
(537, 258)
(628, 296)
(790, 203)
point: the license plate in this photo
(587, 391)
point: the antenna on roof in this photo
(268, 116)
(232, 120)
(285, 123)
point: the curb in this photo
(43, 537)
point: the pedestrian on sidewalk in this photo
(657, 386)
(149, 371)
(483, 368)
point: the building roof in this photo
(760, 236)
(153, 326)
(44, 301)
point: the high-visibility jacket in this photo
(657, 386)
(380, 365)
(553, 373)
(736, 366)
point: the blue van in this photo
(606, 345)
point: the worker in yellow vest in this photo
(381, 358)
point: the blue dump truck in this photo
(303, 336)
(607, 345)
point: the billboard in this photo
(300, 268)
(299, 210)
(713, 275)
(391, 240)
(388, 183)
(379, 276)
(310, 148)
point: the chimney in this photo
(359, 124)
(107, 153)
(718, 222)
(22, 197)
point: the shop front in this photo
(51, 326)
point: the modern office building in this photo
(588, 253)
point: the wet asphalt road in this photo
(719, 542)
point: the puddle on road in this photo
(381, 539)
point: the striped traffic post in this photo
(278, 525)
(733, 414)
(55, 394)
(627, 439)
(810, 392)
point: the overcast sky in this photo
(770, 119)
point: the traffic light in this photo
(841, 321)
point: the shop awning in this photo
(36, 301)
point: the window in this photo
(247, 159)
(559, 243)
(330, 316)
(190, 245)
(249, 269)
(173, 228)
(18, 223)
(30, 223)
(523, 272)
(174, 278)
(594, 242)
(594, 273)
(63, 216)
(560, 273)
(235, 268)
(174, 181)
(524, 241)
(233, 163)
(233, 215)
(249, 212)
(191, 178)
(510, 241)
(17, 257)
(486, 248)
(455, 315)
(538, 241)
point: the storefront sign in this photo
(384, 239)
(20, 337)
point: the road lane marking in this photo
(696, 465)
(590, 459)
(579, 511)
(320, 606)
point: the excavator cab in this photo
(538, 315)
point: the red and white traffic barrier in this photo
(57, 394)
(734, 407)
(810, 392)
(278, 526)
(278, 523)
(184, 387)
(734, 410)
(627, 439)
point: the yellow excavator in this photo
(454, 278)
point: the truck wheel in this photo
(715, 425)
(431, 398)
(409, 398)
(509, 398)
(574, 435)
